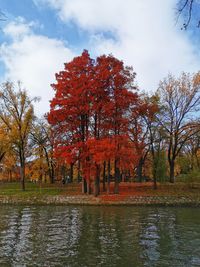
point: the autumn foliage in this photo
(90, 116)
(100, 129)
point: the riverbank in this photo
(102, 200)
(133, 194)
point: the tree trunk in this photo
(71, 172)
(10, 175)
(52, 173)
(139, 170)
(155, 166)
(41, 167)
(171, 176)
(22, 168)
(104, 176)
(108, 181)
(50, 166)
(123, 176)
(154, 183)
(117, 177)
(79, 172)
(22, 174)
(97, 182)
(2, 156)
(88, 188)
(96, 187)
(84, 186)
(129, 175)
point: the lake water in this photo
(99, 236)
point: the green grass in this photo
(13, 189)
(42, 190)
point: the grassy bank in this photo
(181, 194)
(37, 190)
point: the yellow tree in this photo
(9, 170)
(4, 148)
(4, 144)
(17, 114)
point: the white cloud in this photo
(34, 60)
(145, 31)
(145, 36)
(18, 28)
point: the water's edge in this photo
(98, 201)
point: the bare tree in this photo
(180, 101)
(191, 150)
(41, 137)
(189, 9)
(142, 130)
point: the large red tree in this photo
(90, 116)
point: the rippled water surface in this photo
(99, 236)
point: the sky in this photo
(38, 36)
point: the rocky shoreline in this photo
(98, 201)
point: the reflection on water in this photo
(99, 236)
